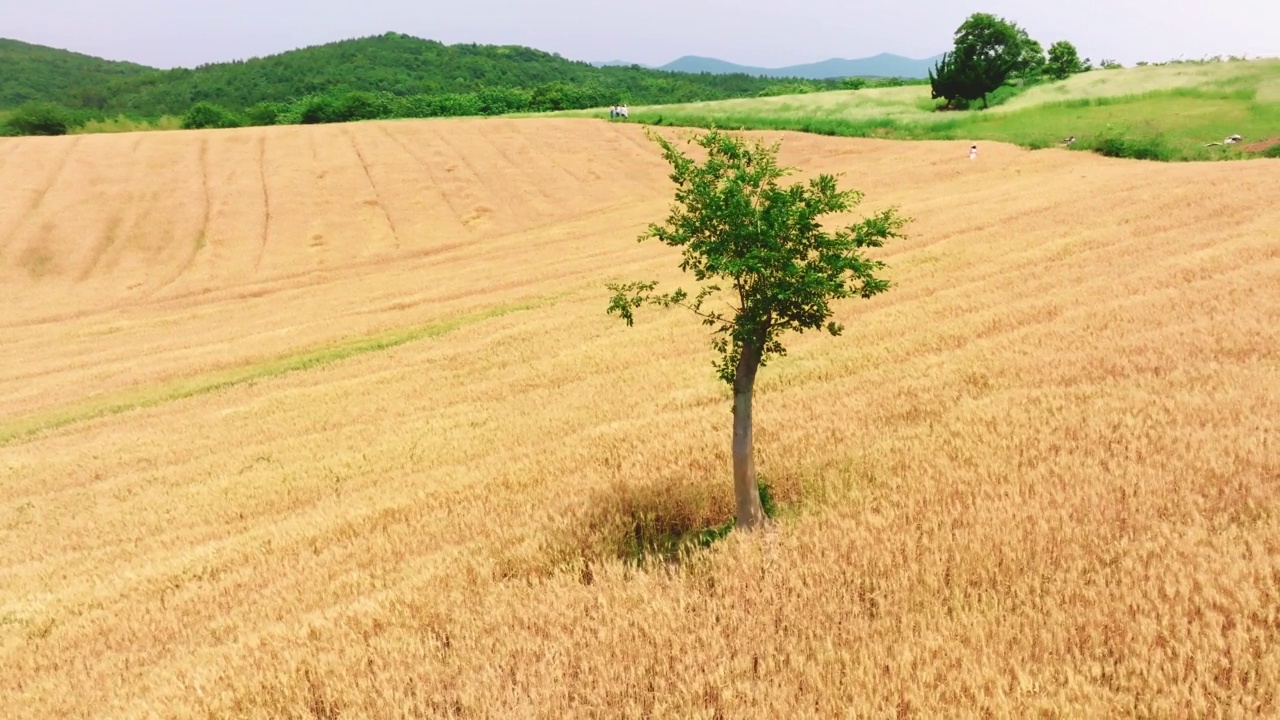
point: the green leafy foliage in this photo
(207, 115)
(346, 107)
(1135, 147)
(988, 51)
(40, 118)
(955, 82)
(796, 88)
(1064, 61)
(33, 73)
(737, 225)
(265, 113)
(1031, 61)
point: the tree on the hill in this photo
(951, 81)
(781, 269)
(1031, 62)
(1064, 60)
(942, 80)
(988, 50)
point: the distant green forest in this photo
(33, 73)
(394, 74)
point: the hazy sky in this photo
(167, 33)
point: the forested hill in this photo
(32, 73)
(401, 65)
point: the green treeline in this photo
(387, 76)
(334, 107)
(405, 66)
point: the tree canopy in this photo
(1064, 61)
(987, 51)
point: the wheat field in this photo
(329, 422)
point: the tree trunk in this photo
(750, 511)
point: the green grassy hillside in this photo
(1167, 112)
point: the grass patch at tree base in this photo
(646, 526)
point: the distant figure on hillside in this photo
(622, 111)
(973, 152)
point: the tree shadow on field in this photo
(656, 523)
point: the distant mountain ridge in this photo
(882, 65)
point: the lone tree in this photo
(1064, 60)
(780, 268)
(988, 51)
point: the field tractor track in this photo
(431, 175)
(373, 185)
(477, 201)
(200, 239)
(266, 202)
(32, 210)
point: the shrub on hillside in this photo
(265, 113)
(347, 107)
(1064, 61)
(448, 105)
(318, 109)
(499, 101)
(796, 88)
(1151, 147)
(564, 96)
(893, 82)
(204, 115)
(366, 106)
(40, 119)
